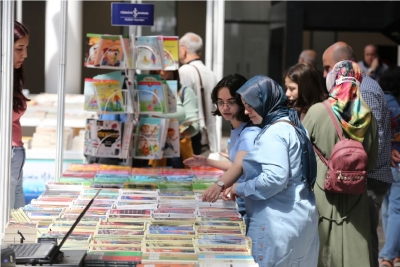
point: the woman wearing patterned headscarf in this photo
(279, 173)
(344, 229)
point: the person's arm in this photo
(274, 175)
(228, 178)
(191, 109)
(395, 158)
(179, 114)
(198, 160)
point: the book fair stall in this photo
(118, 215)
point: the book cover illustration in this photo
(106, 139)
(110, 52)
(171, 58)
(150, 138)
(150, 53)
(172, 142)
(89, 92)
(151, 97)
(109, 96)
(92, 46)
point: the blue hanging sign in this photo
(132, 14)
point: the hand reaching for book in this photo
(196, 160)
(211, 194)
(226, 194)
(232, 195)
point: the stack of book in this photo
(155, 216)
(28, 232)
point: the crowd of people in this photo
(276, 178)
(273, 172)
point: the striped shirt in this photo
(375, 99)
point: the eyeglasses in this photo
(229, 103)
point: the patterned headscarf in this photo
(346, 100)
(269, 100)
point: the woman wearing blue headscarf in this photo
(279, 174)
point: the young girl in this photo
(303, 88)
(243, 132)
(21, 42)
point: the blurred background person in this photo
(202, 80)
(21, 43)
(390, 253)
(372, 65)
(310, 56)
(303, 88)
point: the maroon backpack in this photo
(347, 164)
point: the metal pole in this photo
(6, 100)
(19, 11)
(61, 89)
(209, 35)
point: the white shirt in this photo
(189, 77)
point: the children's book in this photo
(172, 143)
(106, 139)
(114, 75)
(89, 92)
(152, 97)
(92, 45)
(150, 53)
(88, 144)
(109, 96)
(171, 58)
(151, 137)
(111, 52)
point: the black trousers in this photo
(196, 143)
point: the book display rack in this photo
(144, 96)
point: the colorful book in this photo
(106, 139)
(111, 52)
(151, 138)
(109, 96)
(152, 97)
(171, 57)
(92, 45)
(150, 53)
(172, 143)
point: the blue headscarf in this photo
(268, 99)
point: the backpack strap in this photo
(183, 94)
(337, 127)
(201, 92)
(334, 119)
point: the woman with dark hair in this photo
(242, 136)
(21, 42)
(390, 253)
(303, 88)
(279, 173)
